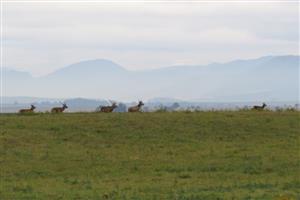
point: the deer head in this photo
(140, 103)
(114, 105)
(65, 106)
(32, 107)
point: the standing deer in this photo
(108, 109)
(136, 108)
(59, 109)
(30, 110)
(259, 107)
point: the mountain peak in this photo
(96, 66)
(97, 63)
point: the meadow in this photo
(179, 155)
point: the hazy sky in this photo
(42, 37)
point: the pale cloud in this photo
(41, 37)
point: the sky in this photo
(41, 37)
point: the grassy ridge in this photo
(201, 155)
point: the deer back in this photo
(106, 109)
(57, 109)
(30, 110)
(25, 111)
(258, 107)
(134, 109)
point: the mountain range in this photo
(269, 78)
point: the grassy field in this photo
(201, 155)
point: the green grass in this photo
(196, 155)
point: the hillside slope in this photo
(272, 78)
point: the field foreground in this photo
(201, 155)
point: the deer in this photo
(108, 109)
(59, 109)
(30, 110)
(136, 108)
(259, 107)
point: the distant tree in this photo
(198, 108)
(98, 108)
(121, 108)
(161, 108)
(174, 106)
(146, 109)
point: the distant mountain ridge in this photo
(270, 78)
(101, 66)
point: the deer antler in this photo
(112, 102)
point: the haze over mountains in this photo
(271, 78)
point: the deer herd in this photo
(109, 109)
(105, 109)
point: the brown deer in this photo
(108, 109)
(259, 107)
(136, 108)
(59, 109)
(30, 110)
